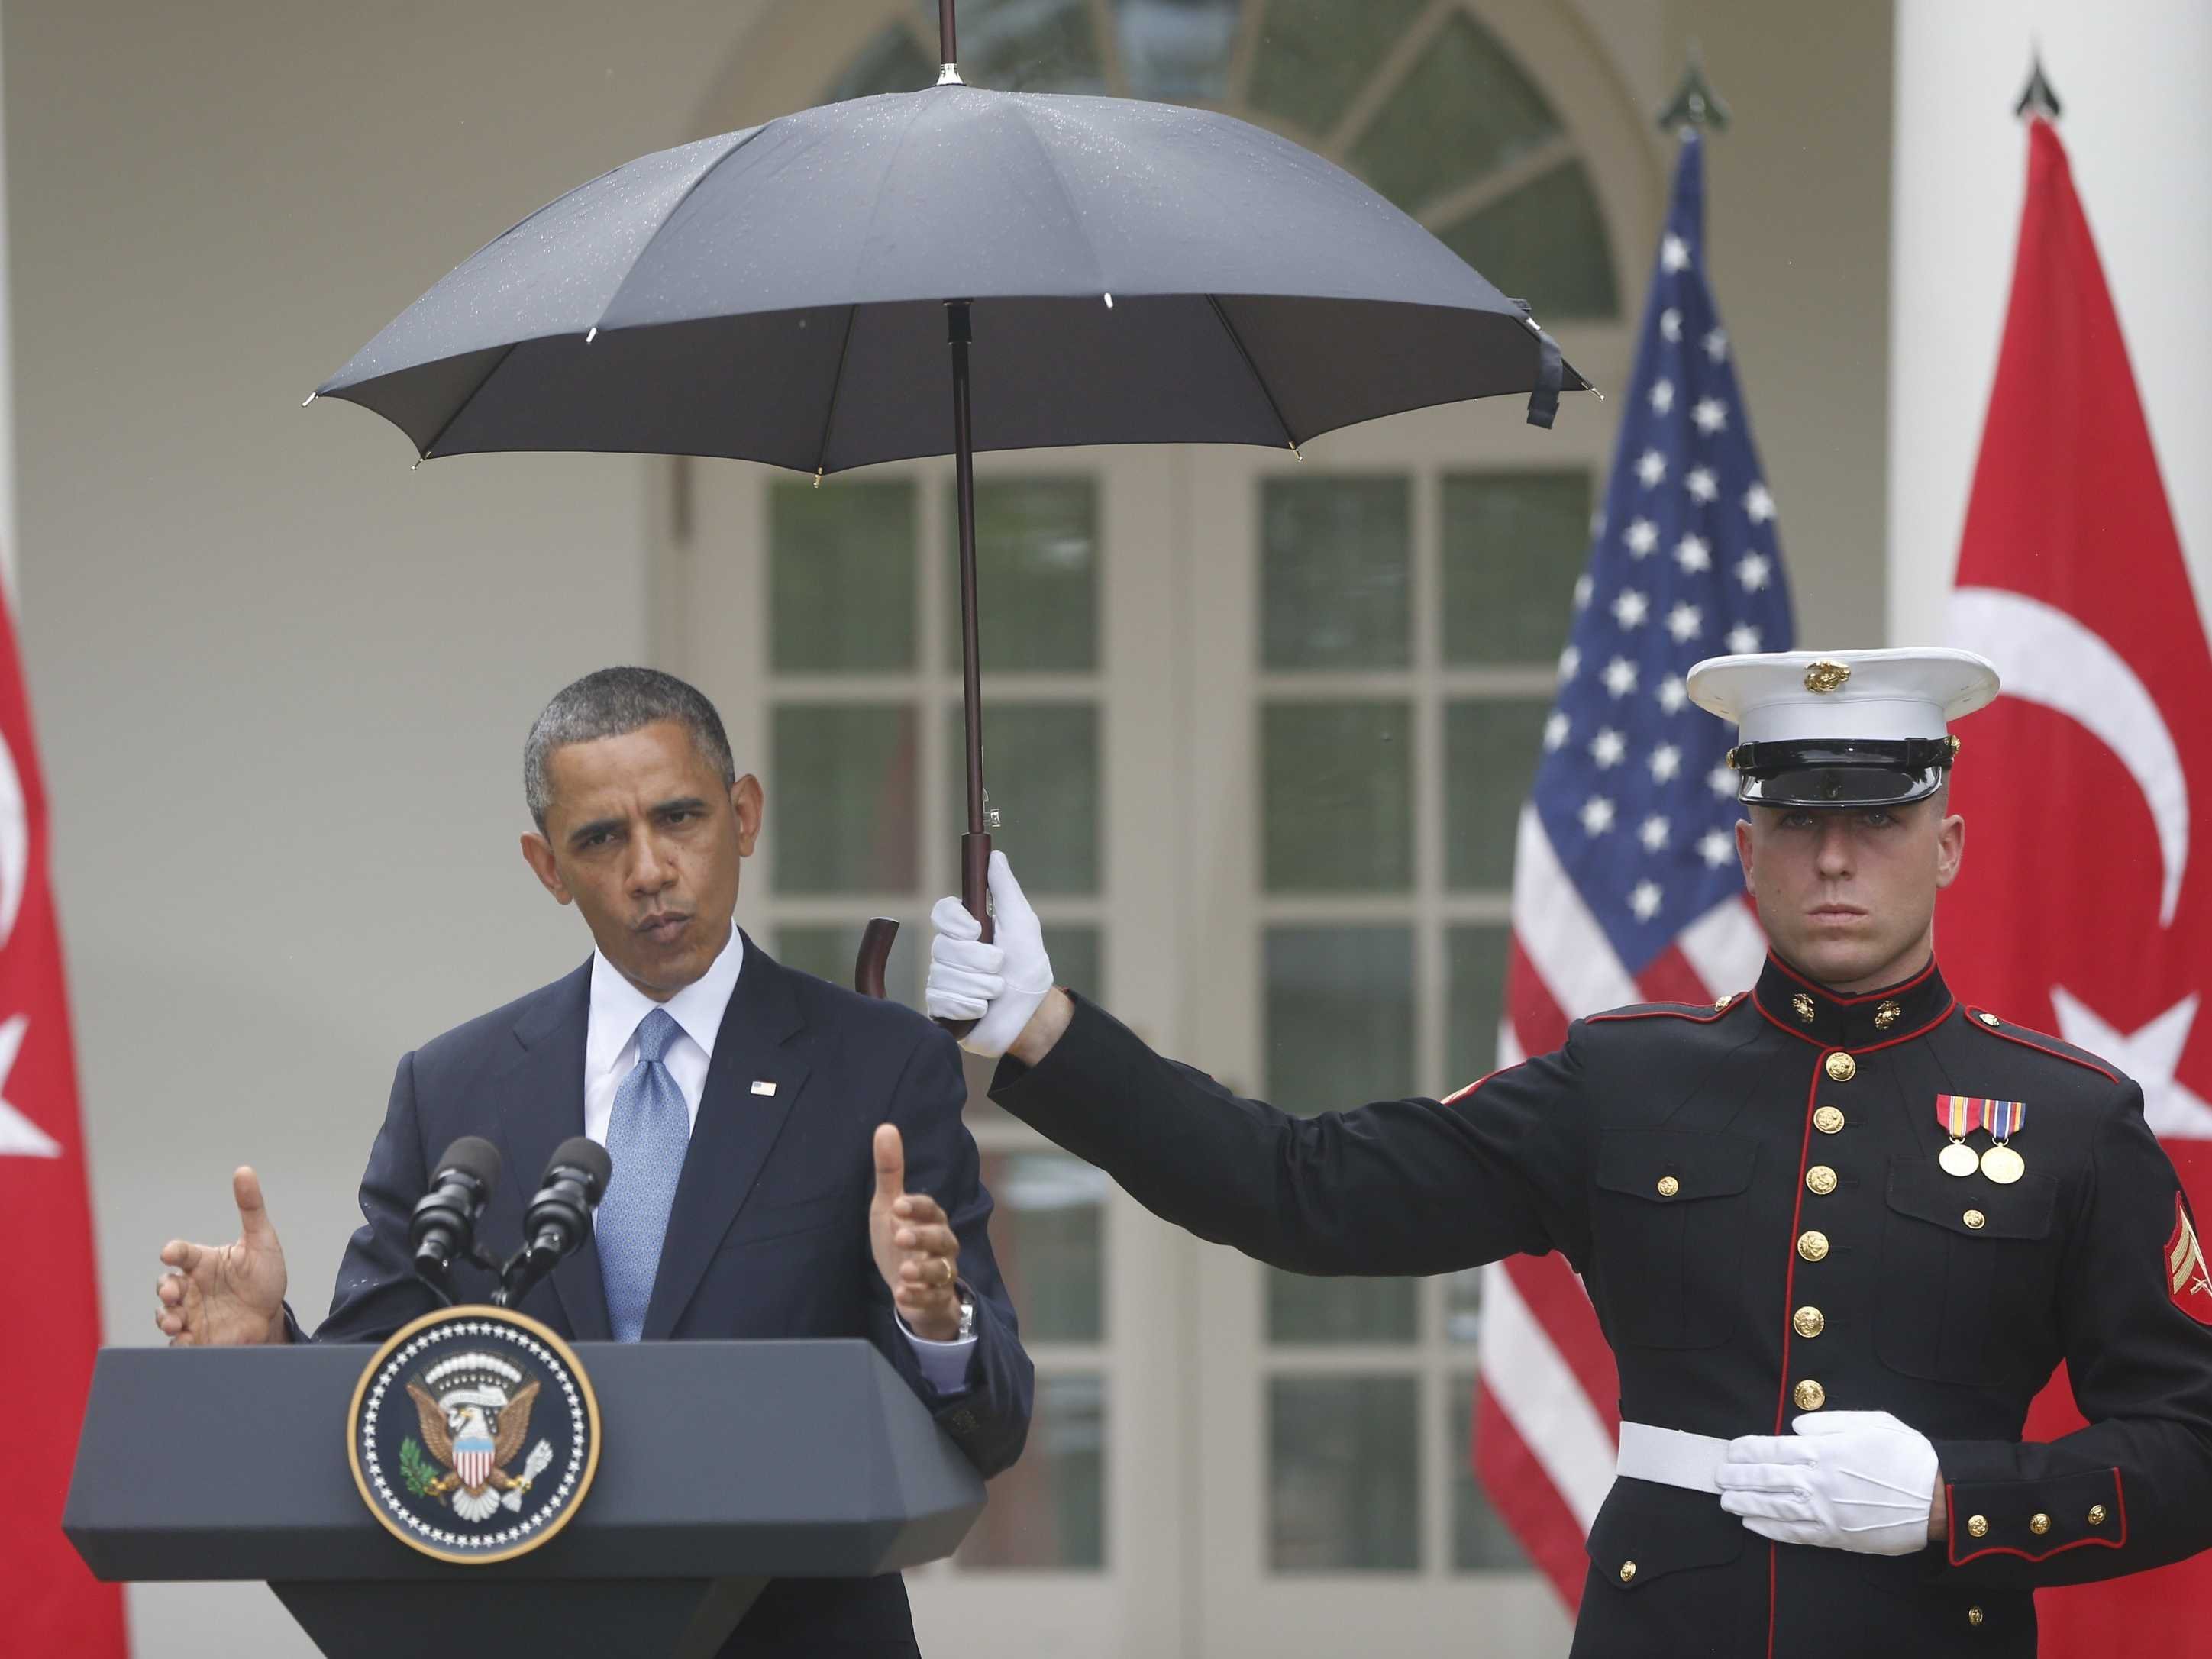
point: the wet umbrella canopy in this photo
(1128, 272)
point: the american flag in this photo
(1626, 886)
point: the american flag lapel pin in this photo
(762, 1087)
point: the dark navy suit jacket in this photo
(768, 1234)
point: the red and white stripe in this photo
(1547, 1420)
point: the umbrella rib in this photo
(836, 383)
(677, 207)
(1258, 379)
(461, 408)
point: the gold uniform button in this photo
(1720, 1003)
(1809, 1396)
(1989, 1019)
(1842, 1067)
(2096, 1514)
(1978, 1525)
(1828, 1120)
(2039, 1524)
(1809, 1321)
(1975, 1219)
(1627, 1572)
(1812, 1246)
(1974, 1615)
(1821, 1179)
(1669, 1186)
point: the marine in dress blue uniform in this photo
(1831, 1297)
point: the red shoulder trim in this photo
(1975, 1018)
(1696, 1015)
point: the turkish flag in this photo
(2084, 906)
(53, 1604)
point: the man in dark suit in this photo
(741, 1101)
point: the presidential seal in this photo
(473, 1435)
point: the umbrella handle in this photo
(876, 939)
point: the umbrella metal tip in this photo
(309, 398)
(593, 335)
(1110, 302)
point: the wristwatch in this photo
(967, 1310)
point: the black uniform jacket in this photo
(769, 1233)
(1751, 1195)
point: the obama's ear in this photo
(538, 854)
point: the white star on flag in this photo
(1621, 677)
(1556, 729)
(1653, 833)
(1710, 414)
(1670, 323)
(1717, 344)
(1640, 538)
(1684, 622)
(1752, 571)
(2149, 1055)
(1630, 608)
(1583, 589)
(1662, 396)
(1666, 762)
(1758, 503)
(1673, 252)
(1597, 815)
(1693, 553)
(1700, 484)
(1673, 693)
(1714, 847)
(1607, 747)
(1743, 640)
(1645, 901)
(1651, 468)
(19, 1136)
(1571, 662)
(1722, 779)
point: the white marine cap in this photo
(1843, 728)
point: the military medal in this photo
(2001, 1164)
(1960, 1115)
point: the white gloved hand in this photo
(1000, 985)
(1849, 1481)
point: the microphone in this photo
(444, 1224)
(559, 1218)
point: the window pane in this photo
(842, 811)
(1340, 1017)
(1049, 1510)
(1024, 45)
(1337, 557)
(1546, 241)
(1476, 999)
(1513, 546)
(1339, 803)
(890, 62)
(840, 577)
(1481, 1542)
(1077, 961)
(1045, 1233)
(1176, 49)
(1036, 573)
(1315, 54)
(1303, 1309)
(829, 953)
(1491, 750)
(1465, 109)
(1463, 1305)
(1040, 765)
(1343, 1474)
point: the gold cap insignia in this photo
(1827, 676)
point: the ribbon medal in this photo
(1960, 1115)
(2002, 1119)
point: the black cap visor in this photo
(1841, 775)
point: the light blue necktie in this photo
(645, 1137)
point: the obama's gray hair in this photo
(611, 704)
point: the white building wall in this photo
(2131, 76)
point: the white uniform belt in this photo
(1673, 1457)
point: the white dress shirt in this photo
(617, 1009)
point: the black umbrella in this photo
(1141, 272)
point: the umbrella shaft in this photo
(948, 37)
(958, 333)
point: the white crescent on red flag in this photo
(54, 1605)
(2085, 902)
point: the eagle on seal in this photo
(474, 1449)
